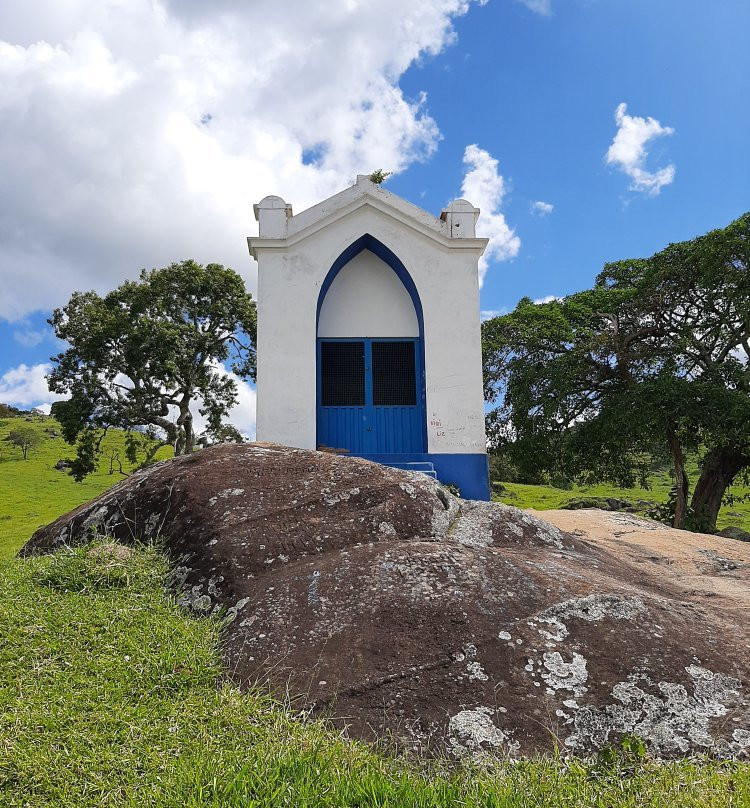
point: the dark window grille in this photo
(394, 382)
(342, 374)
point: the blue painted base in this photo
(470, 472)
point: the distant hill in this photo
(6, 411)
(34, 493)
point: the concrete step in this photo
(422, 467)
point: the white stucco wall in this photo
(367, 299)
(290, 274)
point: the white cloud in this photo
(488, 314)
(242, 415)
(26, 386)
(543, 7)
(135, 134)
(546, 299)
(484, 187)
(542, 209)
(629, 152)
(29, 338)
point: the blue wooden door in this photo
(341, 395)
(369, 396)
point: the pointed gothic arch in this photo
(395, 429)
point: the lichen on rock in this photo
(472, 732)
(562, 675)
(665, 714)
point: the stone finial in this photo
(272, 215)
(461, 217)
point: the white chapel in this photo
(368, 332)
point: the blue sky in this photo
(540, 92)
(120, 149)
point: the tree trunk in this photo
(186, 437)
(720, 467)
(680, 477)
(189, 436)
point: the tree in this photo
(225, 433)
(653, 359)
(24, 438)
(115, 460)
(141, 356)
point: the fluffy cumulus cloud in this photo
(546, 299)
(542, 209)
(629, 151)
(26, 386)
(543, 7)
(138, 132)
(484, 187)
(242, 415)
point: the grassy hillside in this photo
(32, 492)
(546, 497)
(109, 697)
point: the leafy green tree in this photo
(226, 433)
(653, 359)
(24, 438)
(140, 356)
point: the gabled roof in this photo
(363, 193)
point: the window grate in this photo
(394, 382)
(342, 374)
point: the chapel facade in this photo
(368, 332)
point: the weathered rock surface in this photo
(607, 504)
(736, 533)
(461, 626)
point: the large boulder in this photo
(736, 533)
(389, 605)
(602, 503)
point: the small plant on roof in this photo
(378, 176)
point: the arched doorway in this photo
(370, 355)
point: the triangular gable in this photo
(362, 194)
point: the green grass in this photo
(32, 492)
(547, 497)
(109, 697)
